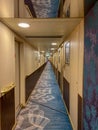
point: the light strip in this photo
(53, 44)
(52, 49)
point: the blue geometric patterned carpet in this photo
(45, 109)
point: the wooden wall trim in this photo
(80, 113)
(59, 78)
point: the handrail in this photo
(5, 90)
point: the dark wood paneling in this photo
(0, 113)
(7, 110)
(80, 127)
(59, 75)
(66, 92)
(32, 80)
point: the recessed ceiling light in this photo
(54, 44)
(42, 51)
(52, 49)
(24, 25)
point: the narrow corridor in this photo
(45, 109)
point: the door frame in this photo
(22, 72)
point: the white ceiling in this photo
(43, 32)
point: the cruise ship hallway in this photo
(45, 109)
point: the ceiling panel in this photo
(43, 32)
(44, 43)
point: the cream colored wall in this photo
(81, 8)
(59, 60)
(74, 77)
(30, 62)
(32, 59)
(66, 71)
(81, 57)
(62, 66)
(42, 59)
(6, 8)
(66, 66)
(10, 8)
(16, 8)
(55, 60)
(74, 72)
(77, 49)
(7, 62)
(76, 8)
(7, 56)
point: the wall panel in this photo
(6, 8)
(66, 93)
(73, 72)
(29, 62)
(7, 56)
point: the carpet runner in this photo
(45, 109)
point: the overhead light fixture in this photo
(24, 25)
(54, 44)
(42, 51)
(52, 49)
